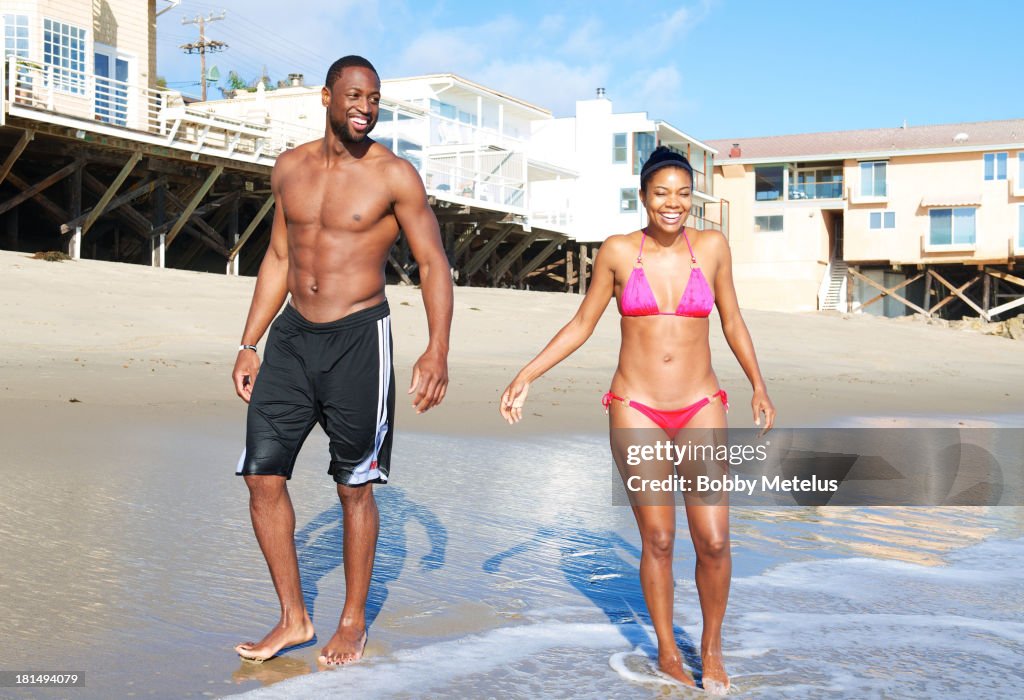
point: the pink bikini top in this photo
(638, 299)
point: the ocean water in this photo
(503, 570)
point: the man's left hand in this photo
(429, 380)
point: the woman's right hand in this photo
(512, 400)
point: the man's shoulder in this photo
(294, 156)
(392, 168)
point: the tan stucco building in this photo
(814, 217)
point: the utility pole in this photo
(204, 45)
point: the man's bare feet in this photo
(672, 666)
(713, 676)
(345, 647)
(281, 637)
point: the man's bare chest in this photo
(335, 202)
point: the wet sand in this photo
(129, 556)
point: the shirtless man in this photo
(341, 201)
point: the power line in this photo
(204, 45)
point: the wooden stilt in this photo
(53, 210)
(891, 291)
(111, 191)
(464, 241)
(986, 292)
(16, 152)
(513, 255)
(1012, 279)
(537, 259)
(267, 204)
(927, 289)
(193, 203)
(399, 269)
(480, 257)
(140, 190)
(33, 190)
(963, 297)
(195, 219)
(75, 196)
(232, 265)
(584, 263)
(962, 288)
(570, 275)
(849, 288)
(125, 212)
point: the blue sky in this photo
(713, 68)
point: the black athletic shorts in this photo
(337, 374)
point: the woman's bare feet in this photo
(713, 676)
(672, 666)
(281, 637)
(345, 647)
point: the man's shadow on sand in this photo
(319, 547)
(591, 563)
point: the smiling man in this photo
(340, 204)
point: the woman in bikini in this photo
(665, 380)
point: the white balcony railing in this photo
(48, 93)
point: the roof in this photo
(965, 136)
(470, 85)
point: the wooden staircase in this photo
(837, 275)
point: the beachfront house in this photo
(469, 142)
(607, 149)
(79, 58)
(894, 221)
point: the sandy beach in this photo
(128, 553)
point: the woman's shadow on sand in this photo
(591, 563)
(319, 547)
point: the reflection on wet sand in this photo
(918, 535)
(272, 671)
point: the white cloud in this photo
(545, 82)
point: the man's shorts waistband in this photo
(371, 314)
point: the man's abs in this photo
(332, 274)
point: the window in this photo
(768, 223)
(643, 146)
(952, 226)
(16, 35)
(768, 183)
(1020, 170)
(444, 109)
(883, 219)
(995, 166)
(627, 199)
(816, 182)
(872, 179)
(619, 151)
(64, 49)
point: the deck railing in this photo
(56, 94)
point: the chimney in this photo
(600, 93)
(735, 151)
(295, 79)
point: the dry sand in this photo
(98, 339)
